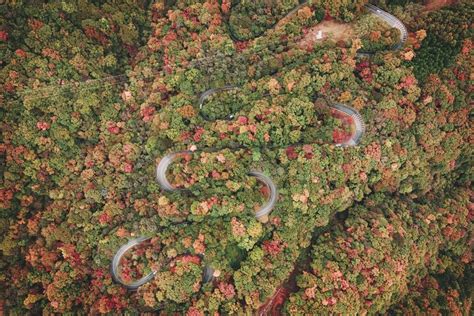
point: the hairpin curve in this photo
(162, 167)
(116, 261)
(359, 124)
(208, 271)
(166, 161)
(270, 204)
(393, 21)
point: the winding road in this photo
(391, 20)
(268, 206)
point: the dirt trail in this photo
(433, 5)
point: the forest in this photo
(226, 157)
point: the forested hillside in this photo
(245, 157)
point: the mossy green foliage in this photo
(447, 28)
(452, 24)
(434, 55)
(249, 19)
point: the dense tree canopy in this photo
(94, 95)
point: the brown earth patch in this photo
(327, 30)
(432, 5)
